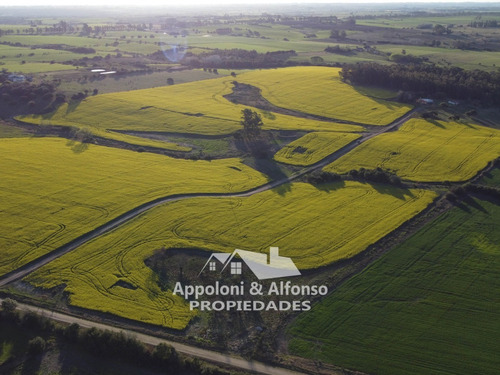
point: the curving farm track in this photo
(129, 215)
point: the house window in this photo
(236, 268)
(212, 266)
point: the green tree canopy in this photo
(251, 121)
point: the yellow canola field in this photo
(52, 191)
(313, 147)
(319, 91)
(426, 151)
(195, 107)
(313, 226)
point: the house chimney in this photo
(273, 254)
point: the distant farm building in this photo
(16, 78)
(425, 101)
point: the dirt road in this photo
(209, 355)
(124, 218)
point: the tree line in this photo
(234, 59)
(484, 24)
(103, 343)
(428, 80)
(377, 175)
(35, 97)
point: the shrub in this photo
(36, 345)
(9, 305)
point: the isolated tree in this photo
(317, 60)
(251, 121)
(164, 354)
(170, 81)
(439, 29)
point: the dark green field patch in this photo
(9, 131)
(13, 342)
(492, 178)
(429, 306)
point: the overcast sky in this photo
(142, 3)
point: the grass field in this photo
(136, 81)
(55, 190)
(426, 151)
(429, 306)
(492, 178)
(461, 58)
(34, 67)
(102, 46)
(194, 107)
(7, 131)
(35, 60)
(314, 226)
(313, 147)
(319, 91)
(405, 22)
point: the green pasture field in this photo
(319, 91)
(39, 40)
(257, 44)
(313, 225)
(141, 47)
(102, 46)
(461, 58)
(429, 306)
(36, 60)
(313, 147)
(193, 107)
(34, 67)
(5, 26)
(55, 189)
(136, 81)
(337, 58)
(266, 30)
(405, 22)
(17, 54)
(426, 151)
(492, 178)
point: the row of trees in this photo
(377, 175)
(484, 24)
(428, 79)
(234, 59)
(63, 27)
(36, 97)
(104, 343)
(339, 50)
